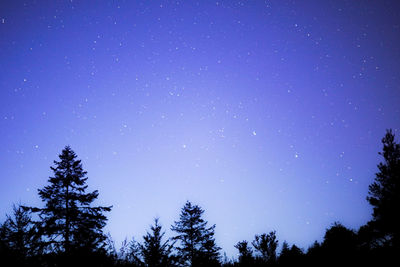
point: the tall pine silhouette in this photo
(196, 239)
(68, 221)
(384, 194)
(155, 251)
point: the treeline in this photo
(68, 230)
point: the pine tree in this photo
(266, 245)
(245, 253)
(285, 253)
(384, 193)
(20, 235)
(196, 239)
(154, 251)
(134, 255)
(110, 247)
(68, 221)
(123, 254)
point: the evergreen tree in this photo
(266, 245)
(285, 253)
(296, 252)
(384, 194)
(68, 221)
(19, 236)
(154, 251)
(245, 253)
(110, 247)
(196, 239)
(19, 232)
(315, 254)
(134, 256)
(290, 256)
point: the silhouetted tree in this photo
(284, 251)
(68, 220)
(19, 238)
(135, 256)
(20, 233)
(340, 244)
(110, 247)
(384, 194)
(123, 256)
(197, 243)
(339, 240)
(154, 251)
(120, 258)
(6, 254)
(266, 245)
(296, 252)
(226, 262)
(290, 256)
(245, 253)
(370, 238)
(314, 255)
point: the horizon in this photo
(269, 115)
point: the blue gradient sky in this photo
(268, 114)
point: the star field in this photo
(268, 114)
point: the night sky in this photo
(267, 114)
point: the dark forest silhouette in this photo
(68, 230)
